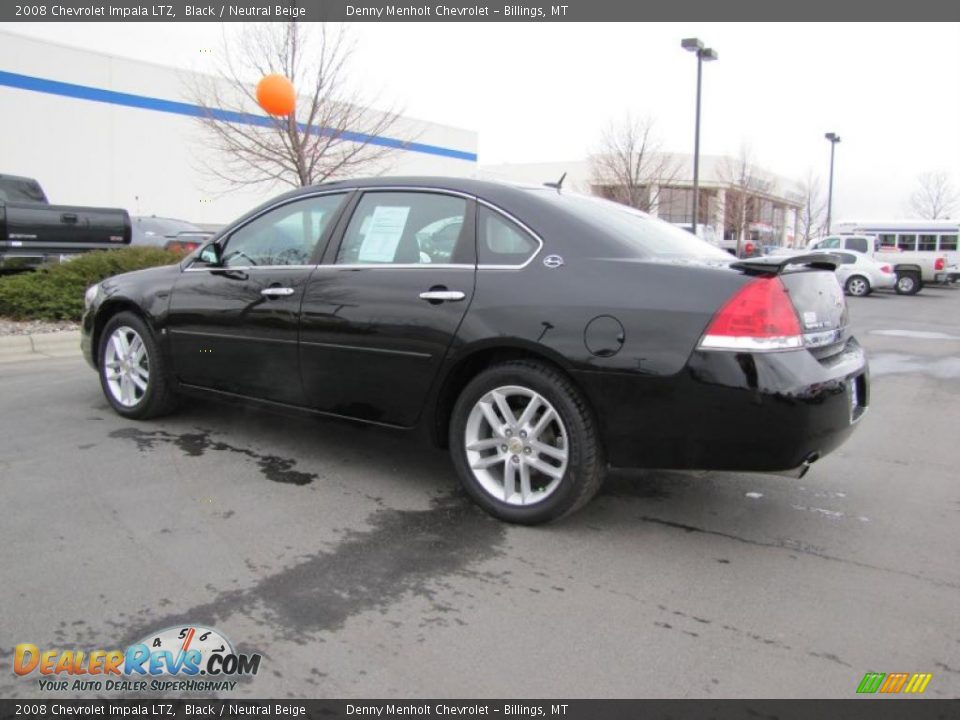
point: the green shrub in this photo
(55, 292)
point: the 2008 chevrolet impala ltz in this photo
(541, 335)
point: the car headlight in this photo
(90, 295)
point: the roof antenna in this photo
(558, 184)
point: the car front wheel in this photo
(524, 443)
(132, 369)
(908, 284)
(858, 286)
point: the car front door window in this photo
(287, 235)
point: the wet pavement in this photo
(349, 559)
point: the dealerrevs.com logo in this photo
(183, 659)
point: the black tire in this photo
(158, 398)
(585, 464)
(858, 286)
(908, 283)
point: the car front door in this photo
(381, 313)
(233, 323)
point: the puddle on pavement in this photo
(273, 467)
(947, 368)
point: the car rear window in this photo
(639, 233)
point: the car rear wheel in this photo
(858, 286)
(908, 283)
(524, 443)
(132, 370)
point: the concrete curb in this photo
(14, 348)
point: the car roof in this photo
(515, 199)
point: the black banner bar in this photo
(856, 709)
(470, 11)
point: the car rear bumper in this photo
(760, 412)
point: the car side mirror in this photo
(210, 255)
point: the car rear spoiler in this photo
(775, 265)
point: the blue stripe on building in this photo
(143, 102)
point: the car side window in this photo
(405, 228)
(287, 235)
(501, 241)
(847, 258)
(830, 243)
(857, 243)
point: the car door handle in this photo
(442, 295)
(277, 292)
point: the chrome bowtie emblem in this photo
(553, 261)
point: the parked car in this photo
(557, 336)
(913, 268)
(33, 232)
(860, 274)
(168, 233)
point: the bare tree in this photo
(742, 182)
(333, 132)
(630, 167)
(935, 197)
(810, 217)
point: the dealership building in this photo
(96, 129)
(736, 198)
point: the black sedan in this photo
(541, 335)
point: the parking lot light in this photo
(703, 54)
(834, 139)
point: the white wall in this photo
(86, 152)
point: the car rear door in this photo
(233, 326)
(379, 315)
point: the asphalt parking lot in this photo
(351, 561)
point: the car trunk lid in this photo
(813, 288)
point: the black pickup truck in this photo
(33, 232)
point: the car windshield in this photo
(643, 234)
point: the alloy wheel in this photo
(857, 287)
(905, 283)
(126, 366)
(516, 445)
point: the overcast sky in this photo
(544, 91)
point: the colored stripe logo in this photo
(143, 102)
(892, 683)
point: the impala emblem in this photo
(553, 261)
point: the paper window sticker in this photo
(384, 233)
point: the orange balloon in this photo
(276, 95)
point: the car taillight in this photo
(886, 269)
(759, 317)
(182, 246)
(939, 264)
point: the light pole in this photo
(834, 139)
(696, 45)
